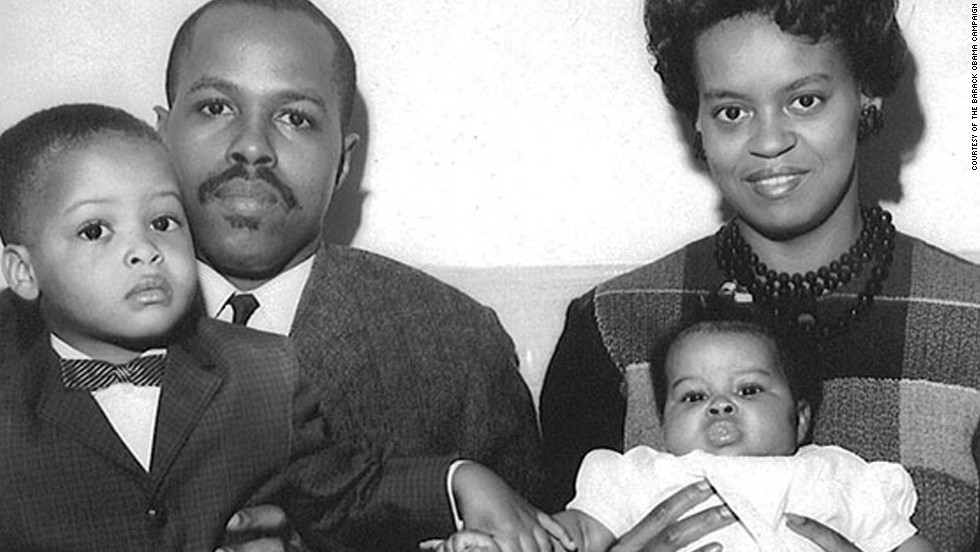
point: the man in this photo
(259, 95)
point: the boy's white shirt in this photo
(278, 302)
(130, 409)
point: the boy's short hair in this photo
(31, 144)
(796, 352)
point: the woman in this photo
(780, 93)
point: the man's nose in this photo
(252, 144)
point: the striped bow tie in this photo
(92, 375)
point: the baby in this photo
(736, 399)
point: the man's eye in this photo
(296, 119)
(92, 231)
(215, 108)
(165, 223)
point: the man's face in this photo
(255, 133)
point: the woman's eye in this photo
(807, 102)
(92, 231)
(165, 223)
(731, 114)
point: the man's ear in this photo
(163, 116)
(15, 263)
(804, 415)
(350, 142)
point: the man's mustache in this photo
(238, 171)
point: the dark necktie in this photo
(92, 375)
(242, 305)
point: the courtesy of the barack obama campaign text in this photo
(974, 116)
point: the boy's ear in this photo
(804, 415)
(162, 117)
(15, 263)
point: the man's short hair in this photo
(30, 145)
(344, 68)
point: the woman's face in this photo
(779, 118)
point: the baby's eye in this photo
(215, 108)
(693, 396)
(807, 102)
(749, 390)
(296, 119)
(731, 114)
(93, 231)
(165, 223)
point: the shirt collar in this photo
(68, 352)
(278, 298)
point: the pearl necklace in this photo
(792, 299)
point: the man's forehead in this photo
(259, 42)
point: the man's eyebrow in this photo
(294, 96)
(221, 85)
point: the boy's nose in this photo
(144, 252)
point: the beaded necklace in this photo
(792, 299)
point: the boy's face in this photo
(113, 258)
(726, 395)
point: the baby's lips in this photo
(723, 432)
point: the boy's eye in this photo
(165, 223)
(749, 390)
(93, 231)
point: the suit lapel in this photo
(189, 385)
(330, 333)
(77, 413)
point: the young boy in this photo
(736, 399)
(157, 446)
(137, 423)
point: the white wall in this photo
(511, 132)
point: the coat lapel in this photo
(189, 385)
(77, 413)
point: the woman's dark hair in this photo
(796, 352)
(866, 30)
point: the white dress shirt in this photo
(278, 298)
(130, 409)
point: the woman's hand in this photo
(823, 536)
(660, 530)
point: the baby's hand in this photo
(463, 541)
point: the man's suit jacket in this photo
(412, 363)
(234, 416)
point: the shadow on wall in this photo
(343, 217)
(883, 156)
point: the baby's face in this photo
(113, 257)
(726, 395)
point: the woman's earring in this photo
(699, 153)
(871, 122)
